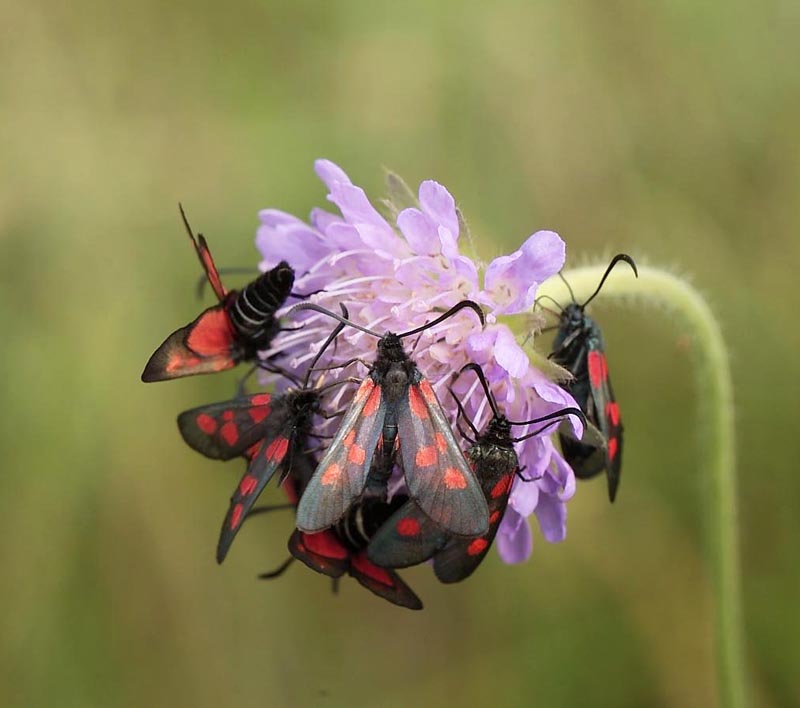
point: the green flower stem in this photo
(665, 290)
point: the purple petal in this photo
(524, 495)
(551, 513)
(514, 540)
(565, 475)
(419, 231)
(322, 219)
(553, 393)
(283, 237)
(509, 354)
(330, 173)
(439, 205)
(512, 280)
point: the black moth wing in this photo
(579, 348)
(326, 553)
(222, 431)
(283, 442)
(383, 582)
(342, 473)
(407, 538)
(438, 477)
(322, 552)
(606, 414)
(495, 466)
(586, 456)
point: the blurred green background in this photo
(666, 129)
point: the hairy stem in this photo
(717, 452)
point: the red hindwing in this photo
(204, 346)
(326, 554)
(383, 582)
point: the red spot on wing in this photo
(453, 479)
(364, 389)
(598, 369)
(248, 485)
(332, 475)
(612, 448)
(324, 544)
(350, 438)
(441, 442)
(427, 391)
(370, 570)
(276, 450)
(261, 399)
(206, 423)
(373, 403)
(501, 487)
(236, 515)
(229, 433)
(227, 415)
(356, 454)
(477, 546)
(426, 456)
(212, 334)
(258, 413)
(612, 411)
(494, 517)
(408, 527)
(418, 407)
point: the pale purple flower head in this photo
(397, 272)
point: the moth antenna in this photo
(332, 315)
(616, 259)
(551, 416)
(463, 414)
(326, 344)
(536, 432)
(280, 570)
(482, 378)
(553, 300)
(577, 412)
(569, 287)
(474, 306)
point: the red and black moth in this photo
(578, 347)
(410, 537)
(228, 333)
(270, 431)
(341, 549)
(395, 405)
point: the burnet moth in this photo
(578, 347)
(395, 405)
(270, 431)
(341, 549)
(228, 333)
(410, 537)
